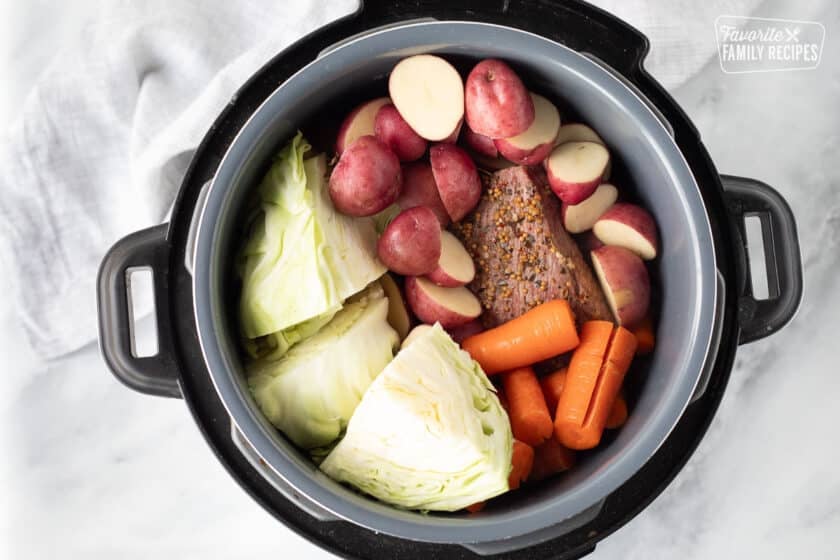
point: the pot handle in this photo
(153, 375)
(762, 317)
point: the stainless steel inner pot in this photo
(688, 283)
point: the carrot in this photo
(529, 416)
(618, 414)
(521, 463)
(551, 458)
(645, 336)
(595, 374)
(552, 387)
(476, 507)
(545, 331)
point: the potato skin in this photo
(392, 130)
(410, 245)
(367, 178)
(457, 179)
(496, 102)
(430, 311)
(624, 278)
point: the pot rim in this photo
(381, 517)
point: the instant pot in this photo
(567, 50)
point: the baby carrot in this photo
(644, 336)
(595, 374)
(552, 387)
(529, 416)
(521, 463)
(545, 331)
(551, 458)
(618, 414)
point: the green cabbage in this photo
(429, 433)
(302, 258)
(310, 393)
(273, 346)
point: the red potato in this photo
(625, 281)
(367, 178)
(580, 217)
(457, 179)
(410, 244)
(480, 144)
(429, 94)
(577, 132)
(455, 267)
(358, 123)
(397, 313)
(533, 145)
(392, 130)
(497, 103)
(629, 226)
(575, 170)
(433, 304)
(463, 332)
(419, 189)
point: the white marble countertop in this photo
(92, 470)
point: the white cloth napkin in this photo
(103, 140)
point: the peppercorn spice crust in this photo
(522, 252)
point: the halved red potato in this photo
(457, 179)
(629, 226)
(497, 103)
(577, 132)
(367, 178)
(533, 145)
(580, 217)
(575, 170)
(392, 130)
(455, 267)
(410, 244)
(625, 281)
(448, 306)
(429, 94)
(359, 123)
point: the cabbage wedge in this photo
(302, 258)
(310, 393)
(429, 433)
